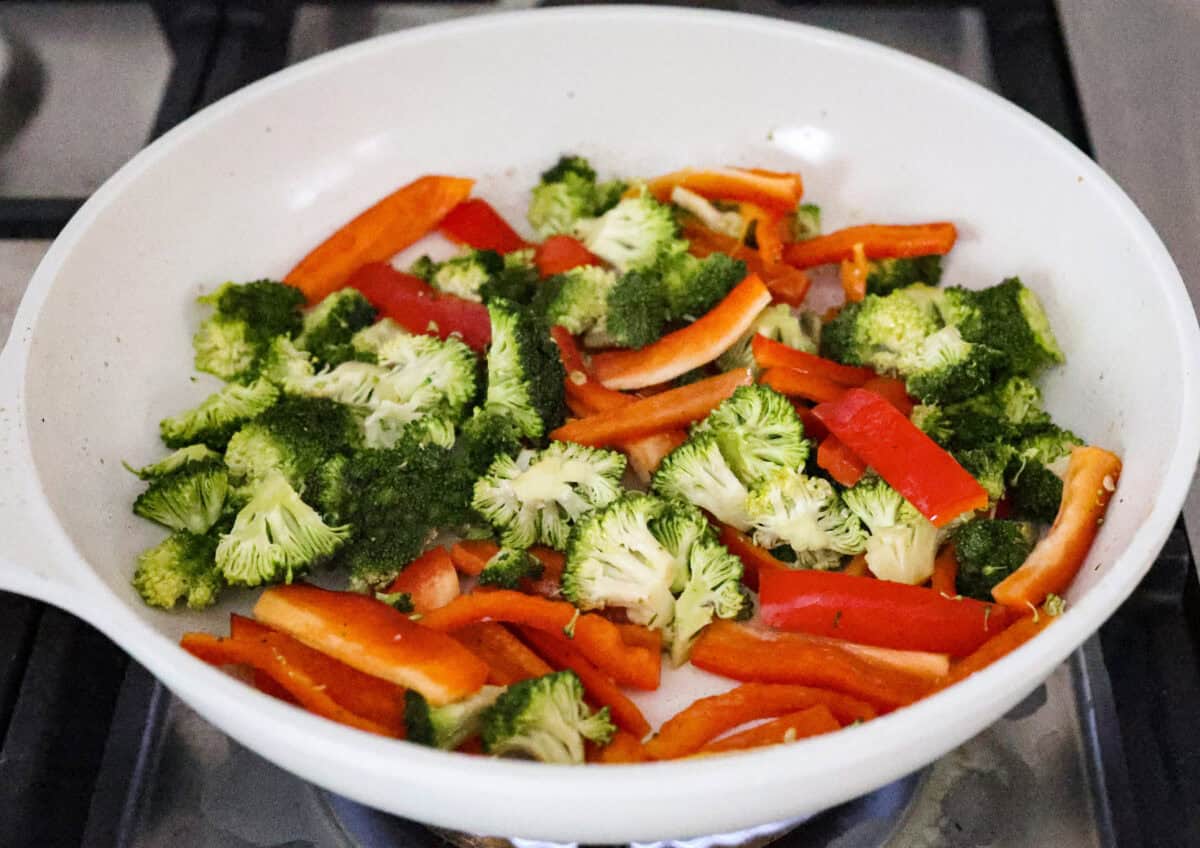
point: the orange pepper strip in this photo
(647, 453)
(853, 273)
(754, 559)
(789, 381)
(597, 638)
(507, 657)
(798, 725)
(599, 687)
(769, 353)
(893, 391)
(375, 639)
(788, 285)
(1002, 644)
(429, 580)
(843, 464)
(373, 699)
(733, 650)
(697, 344)
(1091, 479)
(471, 556)
(262, 657)
(857, 567)
(707, 718)
(623, 748)
(641, 637)
(378, 234)
(766, 232)
(776, 191)
(879, 241)
(945, 572)
(668, 411)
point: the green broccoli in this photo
(638, 233)
(181, 567)
(508, 567)
(219, 415)
(568, 193)
(698, 472)
(1051, 447)
(778, 323)
(537, 497)
(713, 590)
(448, 726)
(192, 454)
(678, 527)
(694, 286)
(232, 341)
(884, 276)
(902, 542)
(287, 366)
(293, 438)
(759, 432)
(575, 299)
(190, 498)
(807, 514)
(544, 719)
(1006, 413)
(880, 331)
(1036, 473)
(1008, 317)
(483, 437)
(987, 464)
(525, 374)
(806, 221)
(367, 341)
(726, 221)
(516, 283)
(635, 312)
(988, 550)
(329, 328)
(275, 537)
(464, 275)
(945, 368)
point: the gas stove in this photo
(96, 753)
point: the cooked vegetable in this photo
(293, 438)
(839, 462)
(1006, 413)
(329, 328)
(902, 543)
(880, 332)
(694, 286)
(232, 342)
(192, 497)
(466, 274)
(884, 276)
(1008, 317)
(636, 234)
(806, 221)
(808, 515)
(567, 194)
(525, 375)
(878, 241)
(417, 307)
(476, 224)
(575, 299)
(559, 254)
(945, 367)
(544, 719)
(509, 567)
(182, 567)
(988, 551)
(759, 433)
(192, 454)
(780, 324)
(772, 354)
(429, 581)
(508, 658)
(449, 725)
(698, 472)
(713, 590)
(988, 465)
(779, 192)
(218, 416)
(798, 725)
(1036, 473)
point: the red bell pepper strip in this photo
(879, 241)
(379, 233)
(769, 353)
(877, 612)
(375, 639)
(853, 273)
(776, 191)
(697, 344)
(793, 383)
(798, 725)
(1000, 645)
(737, 651)
(471, 556)
(622, 749)
(476, 224)
(945, 572)
(560, 253)
(508, 659)
(707, 718)
(364, 695)
(667, 411)
(893, 391)
(597, 638)
(414, 305)
(600, 689)
(754, 559)
(843, 464)
(813, 426)
(430, 580)
(911, 462)
(1092, 475)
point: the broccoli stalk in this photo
(508, 567)
(181, 567)
(987, 551)
(545, 719)
(903, 543)
(807, 514)
(448, 726)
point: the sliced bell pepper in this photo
(670, 410)
(879, 241)
(508, 659)
(549, 585)
(597, 638)
(697, 344)
(414, 305)
(379, 233)
(793, 383)
(853, 273)
(1000, 645)
(945, 572)
(893, 391)
(430, 580)
(766, 231)
(843, 464)
(787, 284)
(375, 639)
(600, 689)
(769, 353)
(773, 190)
(911, 462)
(476, 224)
(647, 453)
(707, 718)
(742, 653)
(814, 428)
(622, 749)
(1092, 475)
(857, 566)
(877, 612)
(754, 559)
(788, 728)
(641, 637)
(471, 556)
(929, 665)
(560, 253)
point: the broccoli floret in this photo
(989, 550)
(679, 526)
(698, 472)
(903, 543)
(329, 328)
(615, 559)
(880, 331)
(713, 590)
(778, 323)
(945, 367)
(420, 364)
(190, 498)
(232, 341)
(807, 514)
(694, 286)
(516, 283)
(192, 454)
(806, 222)
(1036, 494)
(1047, 447)
(576, 299)
(1008, 317)
(931, 421)
(638, 233)
(536, 497)
(884, 276)
(635, 312)
(759, 432)
(1007, 412)
(483, 437)
(219, 415)
(567, 193)
(544, 719)
(987, 464)
(525, 374)
(181, 567)
(287, 366)
(463, 276)
(367, 341)
(448, 726)
(293, 438)
(508, 567)
(275, 537)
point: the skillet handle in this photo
(32, 547)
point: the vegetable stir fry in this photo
(538, 466)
